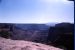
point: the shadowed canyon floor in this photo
(8, 44)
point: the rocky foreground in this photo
(8, 44)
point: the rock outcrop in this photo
(61, 35)
(8, 44)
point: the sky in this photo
(36, 11)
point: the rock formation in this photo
(8, 44)
(61, 35)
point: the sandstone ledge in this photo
(8, 44)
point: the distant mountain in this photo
(30, 32)
(51, 24)
(32, 26)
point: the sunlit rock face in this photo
(8, 44)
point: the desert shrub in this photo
(5, 34)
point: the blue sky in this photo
(36, 11)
